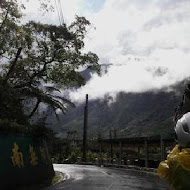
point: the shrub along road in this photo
(83, 177)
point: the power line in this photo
(61, 12)
(56, 5)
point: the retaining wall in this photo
(24, 160)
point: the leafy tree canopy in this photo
(38, 60)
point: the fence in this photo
(146, 149)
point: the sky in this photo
(146, 41)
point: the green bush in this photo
(7, 127)
(75, 154)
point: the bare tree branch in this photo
(4, 19)
(13, 64)
(35, 108)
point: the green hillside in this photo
(130, 114)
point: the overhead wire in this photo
(58, 13)
(61, 12)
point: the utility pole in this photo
(85, 129)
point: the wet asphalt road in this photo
(83, 177)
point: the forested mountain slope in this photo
(130, 114)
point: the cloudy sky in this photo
(147, 41)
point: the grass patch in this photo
(57, 178)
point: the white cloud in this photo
(138, 76)
(156, 32)
(69, 9)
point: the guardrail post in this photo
(162, 149)
(146, 152)
(120, 152)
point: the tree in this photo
(38, 61)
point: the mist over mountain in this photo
(150, 41)
(128, 114)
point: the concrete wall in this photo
(23, 160)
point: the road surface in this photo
(83, 177)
